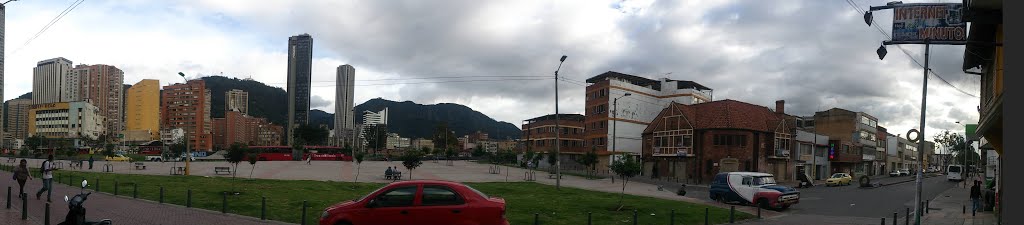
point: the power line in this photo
(856, 8)
(422, 78)
(52, 22)
(437, 82)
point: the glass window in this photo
(439, 195)
(747, 180)
(398, 197)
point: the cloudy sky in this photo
(498, 57)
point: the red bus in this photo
(272, 153)
(327, 153)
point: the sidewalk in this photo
(948, 209)
(120, 210)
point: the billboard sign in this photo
(934, 22)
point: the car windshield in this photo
(764, 180)
(838, 175)
(954, 169)
(477, 192)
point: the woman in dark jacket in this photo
(21, 174)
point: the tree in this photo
(588, 160)
(411, 160)
(235, 154)
(449, 155)
(359, 162)
(625, 168)
(109, 150)
(311, 135)
(34, 142)
(479, 152)
(552, 159)
(527, 158)
(956, 145)
(253, 158)
(443, 137)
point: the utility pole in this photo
(920, 138)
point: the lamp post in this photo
(188, 146)
(558, 131)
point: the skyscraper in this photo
(344, 92)
(17, 117)
(50, 81)
(187, 106)
(143, 109)
(236, 100)
(300, 66)
(103, 86)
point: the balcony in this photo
(673, 151)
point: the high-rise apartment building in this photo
(646, 98)
(103, 87)
(187, 106)
(143, 109)
(52, 82)
(343, 100)
(236, 100)
(17, 117)
(300, 67)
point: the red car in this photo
(424, 202)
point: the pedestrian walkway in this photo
(121, 210)
(953, 207)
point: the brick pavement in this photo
(948, 209)
(120, 209)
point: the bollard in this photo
(536, 219)
(907, 220)
(304, 212)
(161, 194)
(894, 214)
(46, 215)
(9, 196)
(115, 187)
(634, 217)
(263, 209)
(732, 214)
(706, 216)
(964, 211)
(883, 220)
(672, 218)
(759, 212)
(98, 185)
(24, 208)
(224, 202)
(135, 190)
(926, 209)
(188, 200)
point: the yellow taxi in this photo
(118, 157)
(839, 179)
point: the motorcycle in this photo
(76, 212)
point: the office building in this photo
(343, 97)
(65, 120)
(300, 64)
(17, 118)
(52, 82)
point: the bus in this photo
(954, 173)
(326, 153)
(272, 153)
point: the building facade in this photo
(65, 120)
(811, 154)
(395, 141)
(986, 60)
(300, 64)
(236, 127)
(187, 106)
(236, 100)
(17, 117)
(374, 122)
(421, 143)
(51, 81)
(344, 94)
(142, 111)
(854, 137)
(605, 128)
(538, 135)
(102, 86)
(695, 142)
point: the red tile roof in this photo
(730, 114)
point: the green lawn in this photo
(284, 198)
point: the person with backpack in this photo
(976, 196)
(47, 170)
(21, 174)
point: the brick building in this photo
(187, 106)
(236, 127)
(539, 135)
(853, 135)
(695, 142)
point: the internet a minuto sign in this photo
(933, 22)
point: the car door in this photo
(743, 186)
(442, 205)
(392, 207)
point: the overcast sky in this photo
(813, 54)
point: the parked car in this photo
(118, 157)
(425, 202)
(752, 188)
(904, 172)
(839, 179)
(894, 173)
(954, 173)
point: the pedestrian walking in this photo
(21, 174)
(47, 170)
(309, 159)
(90, 161)
(976, 196)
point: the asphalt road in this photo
(861, 202)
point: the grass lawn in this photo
(284, 198)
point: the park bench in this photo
(139, 165)
(11, 160)
(552, 176)
(396, 175)
(224, 169)
(177, 170)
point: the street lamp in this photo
(188, 146)
(558, 131)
